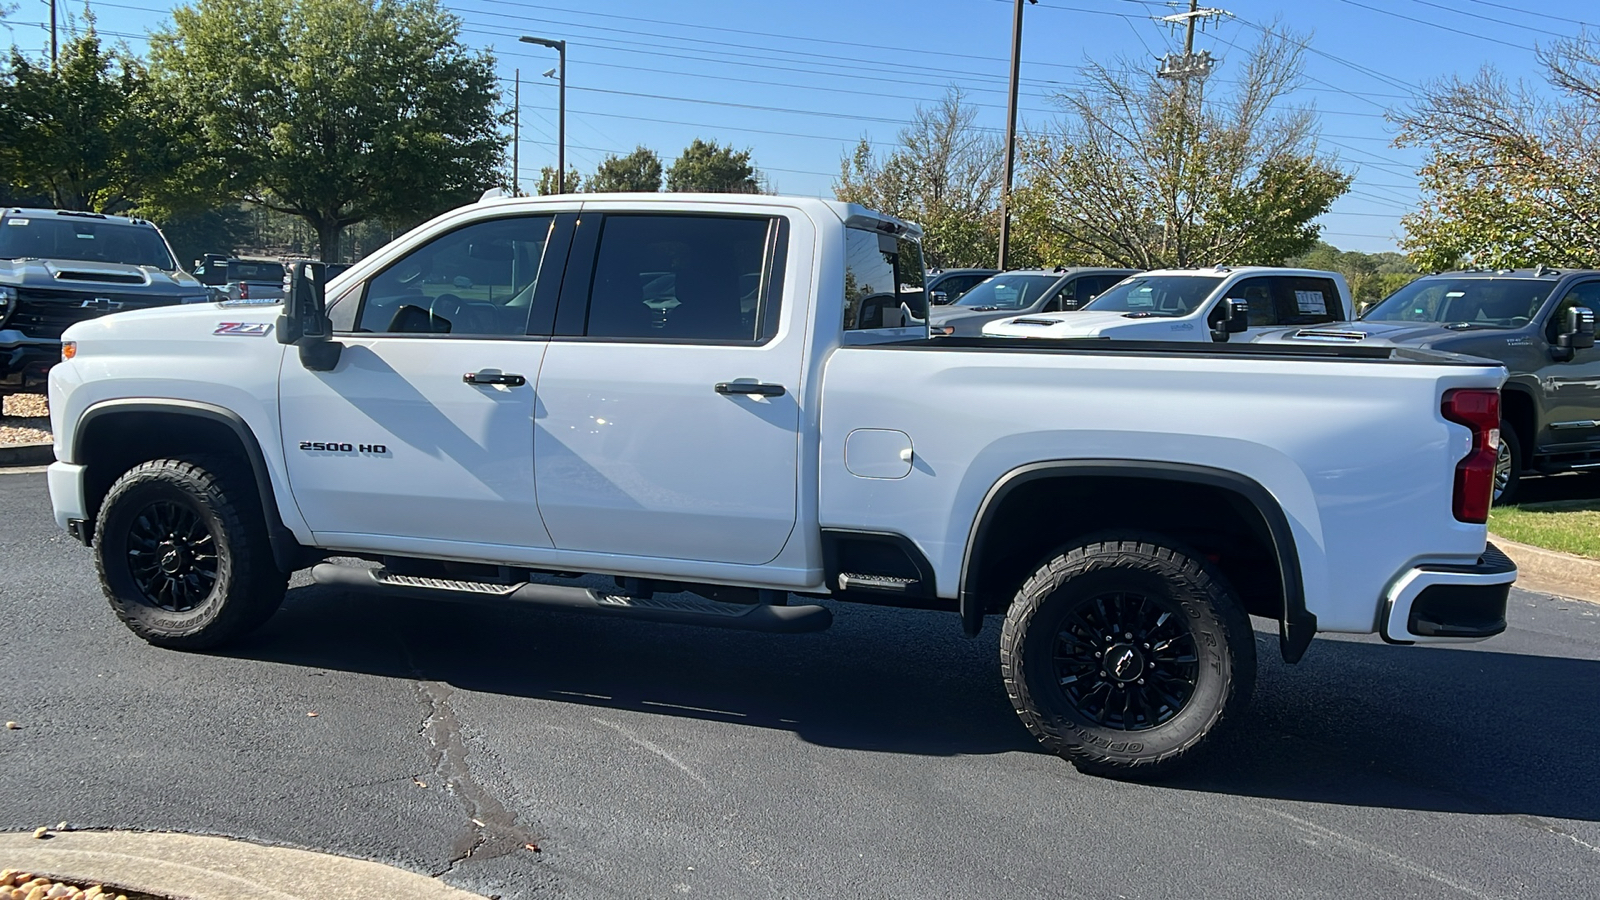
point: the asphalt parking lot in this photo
(878, 759)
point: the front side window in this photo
(682, 278)
(1163, 296)
(84, 239)
(1585, 294)
(883, 281)
(1464, 303)
(1258, 293)
(476, 280)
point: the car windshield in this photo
(1007, 292)
(1465, 302)
(84, 239)
(1165, 296)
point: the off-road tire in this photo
(247, 587)
(1508, 436)
(1171, 579)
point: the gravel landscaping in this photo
(16, 885)
(25, 419)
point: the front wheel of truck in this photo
(1126, 655)
(182, 552)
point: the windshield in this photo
(1166, 296)
(1465, 302)
(88, 240)
(1007, 292)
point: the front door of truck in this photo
(422, 436)
(1571, 387)
(669, 400)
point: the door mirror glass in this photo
(1232, 316)
(938, 298)
(305, 311)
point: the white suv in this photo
(1194, 305)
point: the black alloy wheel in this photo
(1126, 660)
(172, 555)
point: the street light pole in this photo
(516, 136)
(1011, 134)
(561, 116)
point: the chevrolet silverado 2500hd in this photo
(731, 404)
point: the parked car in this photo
(946, 285)
(1125, 513)
(1194, 305)
(61, 266)
(1538, 323)
(1023, 291)
(254, 279)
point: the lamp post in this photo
(561, 116)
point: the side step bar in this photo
(677, 611)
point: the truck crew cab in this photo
(732, 405)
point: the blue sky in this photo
(799, 83)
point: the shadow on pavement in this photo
(1362, 724)
(1567, 486)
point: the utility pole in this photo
(1011, 133)
(52, 34)
(516, 135)
(1190, 66)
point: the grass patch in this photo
(1571, 526)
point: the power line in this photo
(1481, 37)
(1462, 12)
(1529, 12)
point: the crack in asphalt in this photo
(491, 830)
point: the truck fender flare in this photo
(1296, 626)
(287, 551)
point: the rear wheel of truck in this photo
(182, 553)
(1125, 655)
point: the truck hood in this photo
(88, 277)
(1422, 335)
(1089, 324)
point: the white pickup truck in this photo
(717, 401)
(1213, 304)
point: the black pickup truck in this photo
(60, 266)
(1538, 322)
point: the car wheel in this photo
(1125, 655)
(182, 553)
(1507, 466)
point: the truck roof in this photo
(36, 213)
(1245, 270)
(1535, 272)
(849, 213)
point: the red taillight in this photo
(1479, 410)
(244, 290)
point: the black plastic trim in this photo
(287, 551)
(1297, 625)
(1206, 349)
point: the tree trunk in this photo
(328, 231)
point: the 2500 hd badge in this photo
(337, 447)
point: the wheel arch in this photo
(1244, 501)
(113, 436)
(1520, 408)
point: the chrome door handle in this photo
(487, 377)
(750, 387)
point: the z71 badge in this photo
(247, 329)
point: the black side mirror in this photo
(304, 322)
(1232, 317)
(1578, 333)
(938, 298)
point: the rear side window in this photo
(682, 278)
(883, 281)
(1309, 301)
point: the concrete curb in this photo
(192, 867)
(27, 455)
(1553, 572)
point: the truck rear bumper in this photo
(1441, 604)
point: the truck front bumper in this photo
(1442, 604)
(25, 362)
(67, 499)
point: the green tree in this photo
(89, 134)
(709, 168)
(547, 181)
(945, 175)
(335, 111)
(1512, 175)
(638, 171)
(1145, 172)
